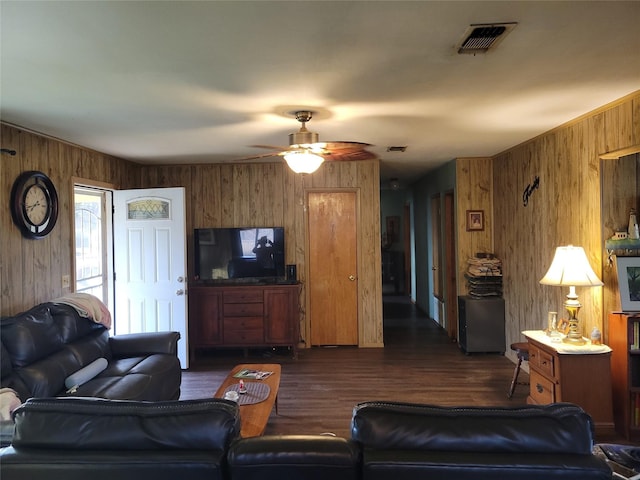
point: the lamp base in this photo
(574, 341)
(572, 305)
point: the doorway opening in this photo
(93, 259)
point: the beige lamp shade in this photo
(570, 267)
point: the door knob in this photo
(352, 278)
(180, 292)
(180, 279)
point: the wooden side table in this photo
(560, 372)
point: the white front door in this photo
(150, 263)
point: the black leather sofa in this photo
(292, 457)
(97, 439)
(401, 441)
(75, 439)
(44, 346)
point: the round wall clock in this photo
(34, 204)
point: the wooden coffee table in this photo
(254, 417)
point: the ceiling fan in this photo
(305, 153)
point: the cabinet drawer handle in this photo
(539, 388)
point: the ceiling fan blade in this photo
(347, 151)
(256, 157)
(345, 145)
(349, 155)
(270, 147)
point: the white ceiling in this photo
(193, 82)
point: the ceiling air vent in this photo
(397, 148)
(479, 38)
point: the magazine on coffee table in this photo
(252, 374)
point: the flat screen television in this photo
(236, 255)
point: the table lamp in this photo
(570, 268)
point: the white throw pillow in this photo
(9, 401)
(85, 373)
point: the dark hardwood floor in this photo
(419, 364)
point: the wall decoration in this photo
(34, 204)
(529, 189)
(629, 283)
(475, 220)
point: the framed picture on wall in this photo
(475, 220)
(629, 283)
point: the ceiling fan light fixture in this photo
(303, 137)
(305, 153)
(318, 148)
(303, 161)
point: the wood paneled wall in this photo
(565, 209)
(270, 194)
(31, 270)
(473, 192)
(219, 195)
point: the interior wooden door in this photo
(333, 282)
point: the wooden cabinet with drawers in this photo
(243, 316)
(580, 378)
